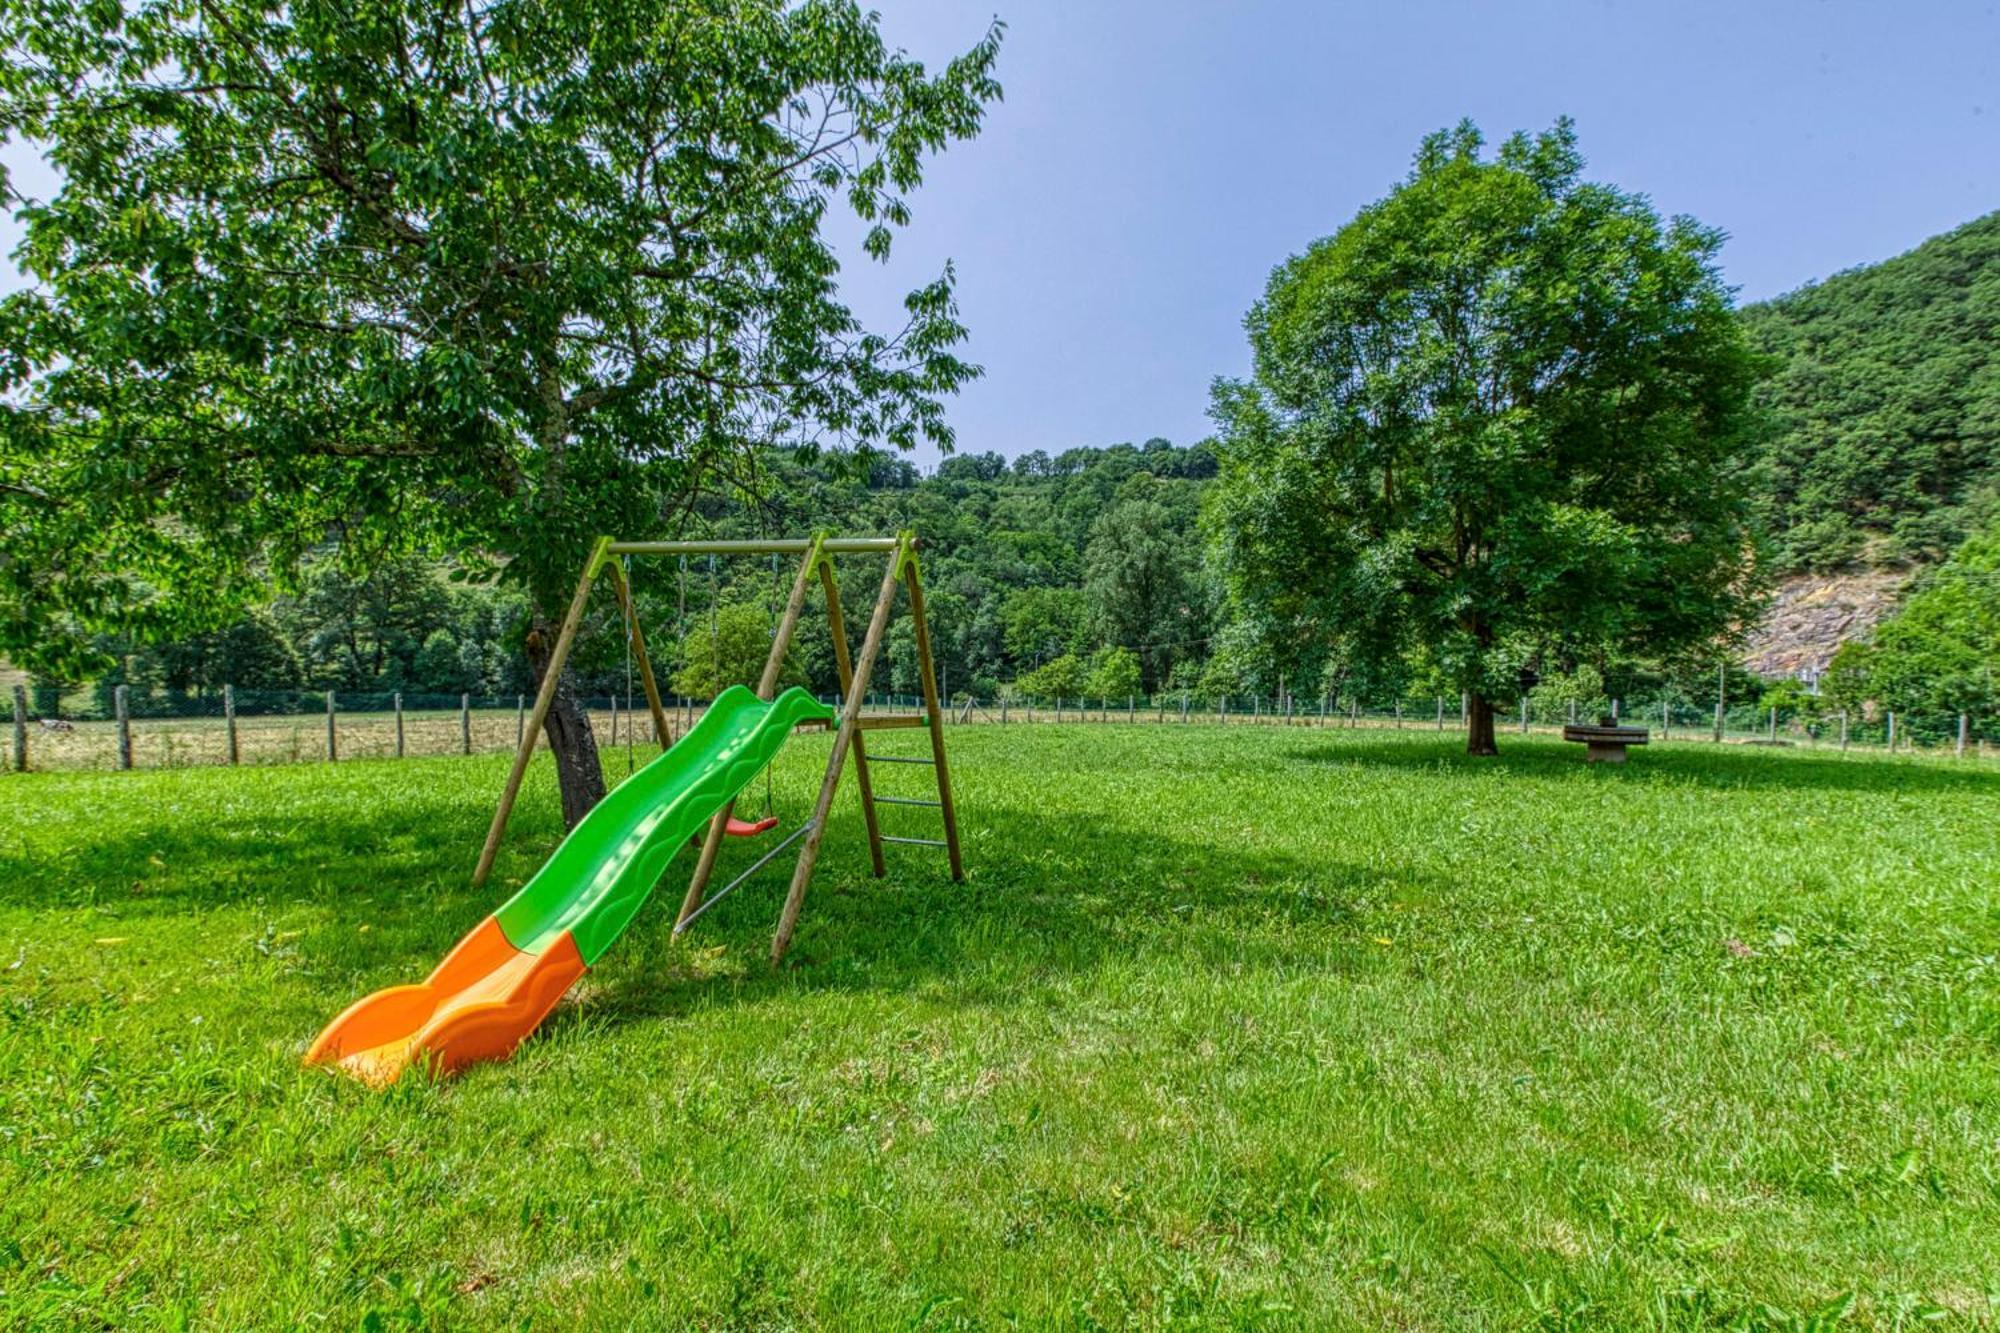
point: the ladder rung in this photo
(906, 800)
(914, 842)
(898, 759)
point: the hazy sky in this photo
(1154, 159)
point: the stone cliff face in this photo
(1813, 614)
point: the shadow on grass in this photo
(1732, 767)
(1042, 899)
(1030, 911)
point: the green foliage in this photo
(478, 279)
(1114, 674)
(1939, 655)
(733, 652)
(1064, 677)
(1501, 417)
(1361, 1037)
(1887, 403)
(1142, 575)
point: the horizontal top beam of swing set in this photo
(783, 546)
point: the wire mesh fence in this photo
(234, 727)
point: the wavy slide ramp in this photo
(502, 979)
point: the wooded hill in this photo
(1885, 399)
(1087, 565)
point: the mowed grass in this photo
(1230, 1026)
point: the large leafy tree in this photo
(1501, 418)
(487, 278)
(1141, 573)
(1939, 655)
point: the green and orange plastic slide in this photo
(501, 980)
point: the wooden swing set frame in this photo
(816, 563)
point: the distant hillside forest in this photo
(1083, 572)
(1885, 399)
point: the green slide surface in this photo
(604, 870)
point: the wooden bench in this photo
(1606, 741)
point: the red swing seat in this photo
(738, 828)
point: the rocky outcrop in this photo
(1813, 614)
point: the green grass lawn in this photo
(1228, 1026)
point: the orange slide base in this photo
(480, 1002)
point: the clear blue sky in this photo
(1154, 159)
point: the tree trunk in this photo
(1479, 727)
(579, 774)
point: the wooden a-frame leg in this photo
(544, 697)
(767, 687)
(926, 669)
(843, 664)
(864, 667)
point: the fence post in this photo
(1184, 705)
(399, 724)
(1774, 722)
(332, 744)
(1843, 728)
(1524, 713)
(1464, 708)
(121, 706)
(465, 722)
(1440, 712)
(20, 729)
(1961, 733)
(1222, 710)
(521, 721)
(1614, 712)
(1128, 708)
(1003, 710)
(1666, 720)
(1718, 721)
(1399, 714)
(229, 719)
(1892, 733)
(1256, 708)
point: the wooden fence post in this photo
(20, 729)
(1843, 728)
(399, 724)
(1440, 712)
(1399, 714)
(229, 721)
(122, 707)
(1666, 720)
(1524, 714)
(465, 723)
(332, 742)
(1962, 727)
(1892, 733)
(1774, 722)
(1003, 710)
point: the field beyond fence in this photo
(277, 730)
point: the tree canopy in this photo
(485, 278)
(1939, 655)
(1501, 420)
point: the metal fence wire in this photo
(278, 727)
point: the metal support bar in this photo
(917, 842)
(732, 885)
(900, 759)
(908, 800)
